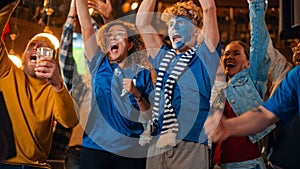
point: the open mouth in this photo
(114, 48)
(33, 58)
(229, 64)
(176, 38)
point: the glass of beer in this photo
(43, 52)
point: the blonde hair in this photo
(187, 9)
(137, 54)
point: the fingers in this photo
(212, 122)
(221, 133)
(127, 83)
(48, 70)
(101, 7)
(213, 126)
(129, 86)
(92, 4)
(97, 5)
(45, 68)
(126, 80)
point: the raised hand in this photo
(215, 127)
(129, 86)
(210, 24)
(102, 8)
(47, 69)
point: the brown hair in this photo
(187, 9)
(137, 54)
(245, 47)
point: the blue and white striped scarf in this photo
(170, 124)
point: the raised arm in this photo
(259, 60)
(218, 128)
(88, 32)
(279, 66)
(64, 108)
(65, 55)
(149, 34)
(6, 9)
(143, 104)
(210, 23)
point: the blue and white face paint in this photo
(181, 31)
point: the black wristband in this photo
(72, 17)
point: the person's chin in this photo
(113, 58)
(32, 74)
(29, 71)
(178, 45)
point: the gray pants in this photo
(185, 155)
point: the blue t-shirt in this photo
(285, 103)
(113, 124)
(192, 92)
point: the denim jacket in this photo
(247, 88)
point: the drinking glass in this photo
(43, 52)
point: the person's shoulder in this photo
(296, 69)
(143, 70)
(294, 73)
(155, 61)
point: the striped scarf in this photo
(170, 124)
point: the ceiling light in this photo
(134, 6)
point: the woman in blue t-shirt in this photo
(121, 80)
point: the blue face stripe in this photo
(183, 27)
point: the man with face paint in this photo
(186, 74)
(35, 96)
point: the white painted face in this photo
(117, 43)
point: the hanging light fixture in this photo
(47, 31)
(14, 33)
(15, 58)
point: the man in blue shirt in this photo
(282, 145)
(186, 74)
